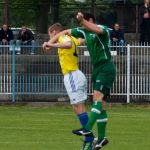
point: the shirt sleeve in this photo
(77, 32)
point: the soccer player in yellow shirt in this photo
(74, 80)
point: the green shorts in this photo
(103, 77)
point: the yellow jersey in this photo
(68, 58)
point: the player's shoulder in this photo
(64, 38)
(78, 29)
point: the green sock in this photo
(95, 112)
(101, 124)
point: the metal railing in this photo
(28, 76)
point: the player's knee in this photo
(104, 105)
(98, 96)
(79, 108)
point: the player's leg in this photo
(96, 109)
(101, 127)
(102, 122)
(102, 83)
(81, 113)
(98, 113)
(104, 87)
(76, 86)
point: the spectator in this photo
(145, 22)
(25, 37)
(6, 35)
(117, 37)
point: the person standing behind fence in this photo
(74, 80)
(25, 37)
(6, 36)
(117, 38)
(144, 13)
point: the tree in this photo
(69, 9)
(42, 15)
(136, 1)
(33, 13)
(39, 14)
(6, 12)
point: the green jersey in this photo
(97, 44)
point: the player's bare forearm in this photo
(66, 45)
(88, 25)
(92, 27)
(55, 38)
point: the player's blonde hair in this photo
(56, 26)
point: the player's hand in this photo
(79, 16)
(46, 46)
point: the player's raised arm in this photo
(89, 24)
(66, 45)
(48, 45)
(54, 32)
(55, 38)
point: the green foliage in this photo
(68, 10)
(23, 13)
(1, 12)
(34, 13)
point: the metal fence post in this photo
(13, 75)
(128, 73)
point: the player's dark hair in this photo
(88, 16)
(56, 26)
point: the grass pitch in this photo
(49, 128)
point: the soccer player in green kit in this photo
(103, 74)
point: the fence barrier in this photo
(38, 76)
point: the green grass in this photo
(49, 128)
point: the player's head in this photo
(89, 17)
(54, 29)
